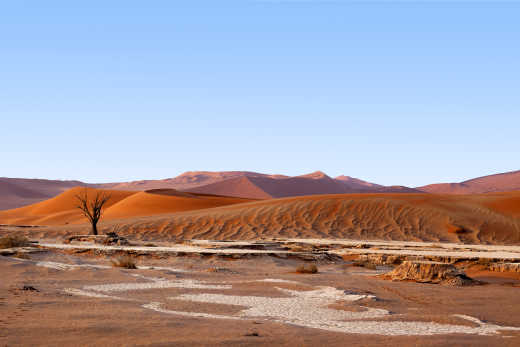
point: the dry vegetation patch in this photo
(126, 262)
(14, 241)
(303, 269)
(364, 263)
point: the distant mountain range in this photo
(311, 184)
(502, 182)
(17, 192)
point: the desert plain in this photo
(193, 268)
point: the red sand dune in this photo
(488, 218)
(485, 218)
(311, 184)
(356, 183)
(153, 202)
(503, 182)
(16, 192)
(186, 180)
(58, 210)
(123, 204)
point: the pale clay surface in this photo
(303, 308)
(391, 247)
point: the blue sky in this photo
(395, 93)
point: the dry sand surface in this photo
(83, 300)
(485, 218)
(61, 209)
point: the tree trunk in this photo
(94, 229)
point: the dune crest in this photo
(122, 204)
(502, 182)
(485, 218)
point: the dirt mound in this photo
(429, 272)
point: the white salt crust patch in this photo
(276, 280)
(63, 266)
(306, 308)
(80, 292)
(153, 283)
(156, 306)
(309, 309)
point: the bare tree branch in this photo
(92, 209)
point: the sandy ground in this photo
(83, 300)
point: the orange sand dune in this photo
(506, 203)
(470, 219)
(165, 201)
(123, 204)
(485, 218)
(59, 210)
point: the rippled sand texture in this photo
(413, 217)
(486, 218)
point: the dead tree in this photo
(92, 208)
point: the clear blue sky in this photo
(395, 93)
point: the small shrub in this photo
(21, 255)
(14, 241)
(311, 269)
(126, 262)
(365, 264)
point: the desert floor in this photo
(69, 298)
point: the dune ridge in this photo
(485, 218)
(122, 204)
(407, 217)
(316, 183)
(16, 192)
(502, 182)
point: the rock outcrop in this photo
(505, 267)
(429, 272)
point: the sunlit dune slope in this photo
(59, 210)
(122, 204)
(165, 201)
(487, 218)
(506, 203)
